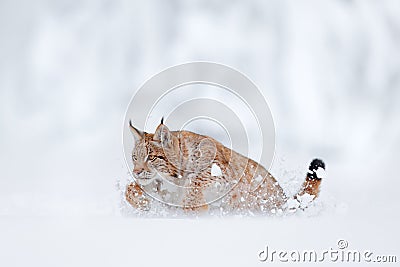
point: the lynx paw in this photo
(196, 210)
(135, 196)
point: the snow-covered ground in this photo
(329, 70)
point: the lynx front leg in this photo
(194, 200)
(136, 197)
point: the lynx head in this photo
(154, 154)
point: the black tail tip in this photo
(315, 164)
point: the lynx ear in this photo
(135, 132)
(163, 134)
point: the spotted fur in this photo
(186, 159)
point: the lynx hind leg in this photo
(136, 197)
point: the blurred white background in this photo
(330, 71)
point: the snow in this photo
(328, 70)
(292, 204)
(320, 172)
(305, 200)
(104, 241)
(258, 179)
(215, 170)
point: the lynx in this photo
(207, 173)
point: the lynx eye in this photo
(151, 157)
(134, 157)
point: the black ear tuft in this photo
(162, 120)
(315, 164)
(135, 132)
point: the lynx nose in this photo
(137, 171)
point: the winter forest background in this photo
(330, 71)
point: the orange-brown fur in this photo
(311, 187)
(186, 156)
(134, 195)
